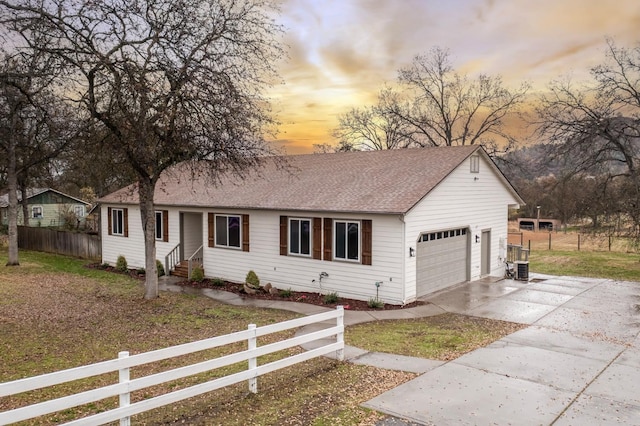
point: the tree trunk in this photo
(12, 182)
(146, 188)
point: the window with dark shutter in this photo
(211, 234)
(284, 223)
(317, 238)
(245, 232)
(367, 242)
(328, 237)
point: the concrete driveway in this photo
(578, 363)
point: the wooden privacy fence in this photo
(126, 385)
(60, 242)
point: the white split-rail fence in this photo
(124, 362)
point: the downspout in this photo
(404, 259)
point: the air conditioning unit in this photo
(522, 270)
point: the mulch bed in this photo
(292, 296)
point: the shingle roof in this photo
(32, 192)
(389, 181)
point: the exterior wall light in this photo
(412, 252)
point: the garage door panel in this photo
(441, 262)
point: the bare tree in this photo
(446, 108)
(597, 125)
(34, 128)
(373, 128)
(171, 81)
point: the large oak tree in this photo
(170, 81)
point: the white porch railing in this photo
(172, 259)
(195, 259)
(124, 362)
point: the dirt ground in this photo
(560, 240)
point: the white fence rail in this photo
(124, 362)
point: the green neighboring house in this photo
(47, 208)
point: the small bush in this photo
(252, 279)
(140, 271)
(121, 264)
(286, 293)
(375, 303)
(218, 282)
(159, 268)
(331, 298)
(197, 274)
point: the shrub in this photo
(159, 268)
(197, 274)
(121, 264)
(375, 303)
(218, 282)
(252, 279)
(286, 293)
(140, 271)
(331, 298)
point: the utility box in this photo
(521, 270)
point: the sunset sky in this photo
(341, 52)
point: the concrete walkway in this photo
(577, 363)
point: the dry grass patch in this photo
(57, 314)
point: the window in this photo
(300, 236)
(475, 163)
(162, 225)
(228, 231)
(347, 240)
(36, 212)
(117, 222)
(78, 211)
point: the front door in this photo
(485, 253)
(190, 233)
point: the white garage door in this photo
(441, 260)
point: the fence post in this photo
(522, 239)
(123, 376)
(578, 242)
(549, 240)
(609, 242)
(252, 344)
(340, 334)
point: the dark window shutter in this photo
(317, 238)
(125, 218)
(165, 225)
(284, 234)
(245, 232)
(109, 224)
(328, 238)
(210, 220)
(367, 242)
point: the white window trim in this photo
(300, 237)
(155, 229)
(346, 252)
(114, 212)
(33, 216)
(215, 226)
(79, 207)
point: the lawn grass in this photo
(443, 337)
(55, 313)
(596, 264)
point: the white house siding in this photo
(348, 279)
(462, 201)
(132, 246)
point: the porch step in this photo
(181, 269)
